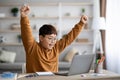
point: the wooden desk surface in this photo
(106, 75)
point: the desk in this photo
(106, 75)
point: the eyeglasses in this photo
(51, 39)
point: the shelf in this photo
(9, 17)
(9, 31)
(20, 44)
(84, 30)
(47, 17)
(13, 31)
(31, 4)
(11, 44)
(18, 31)
(78, 4)
(82, 43)
(48, 4)
(87, 30)
(42, 17)
(74, 17)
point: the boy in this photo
(43, 56)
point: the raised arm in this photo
(71, 36)
(83, 19)
(24, 11)
(26, 31)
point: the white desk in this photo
(106, 75)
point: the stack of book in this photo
(8, 76)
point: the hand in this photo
(25, 10)
(84, 19)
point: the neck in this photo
(40, 44)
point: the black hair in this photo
(47, 29)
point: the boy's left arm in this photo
(71, 36)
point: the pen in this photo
(101, 60)
(31, 75)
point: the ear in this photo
(40, 38)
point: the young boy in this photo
(43, 55)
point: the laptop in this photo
(80, 64)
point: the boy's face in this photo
(48, 41)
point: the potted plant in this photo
(83, 10)
(14, 11)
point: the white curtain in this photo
(113, 35)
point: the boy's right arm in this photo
(26, 31)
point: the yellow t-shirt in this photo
(39, 58)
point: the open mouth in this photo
(51, 45)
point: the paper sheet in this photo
(44, 73)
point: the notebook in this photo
(80, 64)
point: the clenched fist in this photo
(84, 19)
(24, 10)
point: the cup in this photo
(98, 68)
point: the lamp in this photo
(102, 24)
(98, 24)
